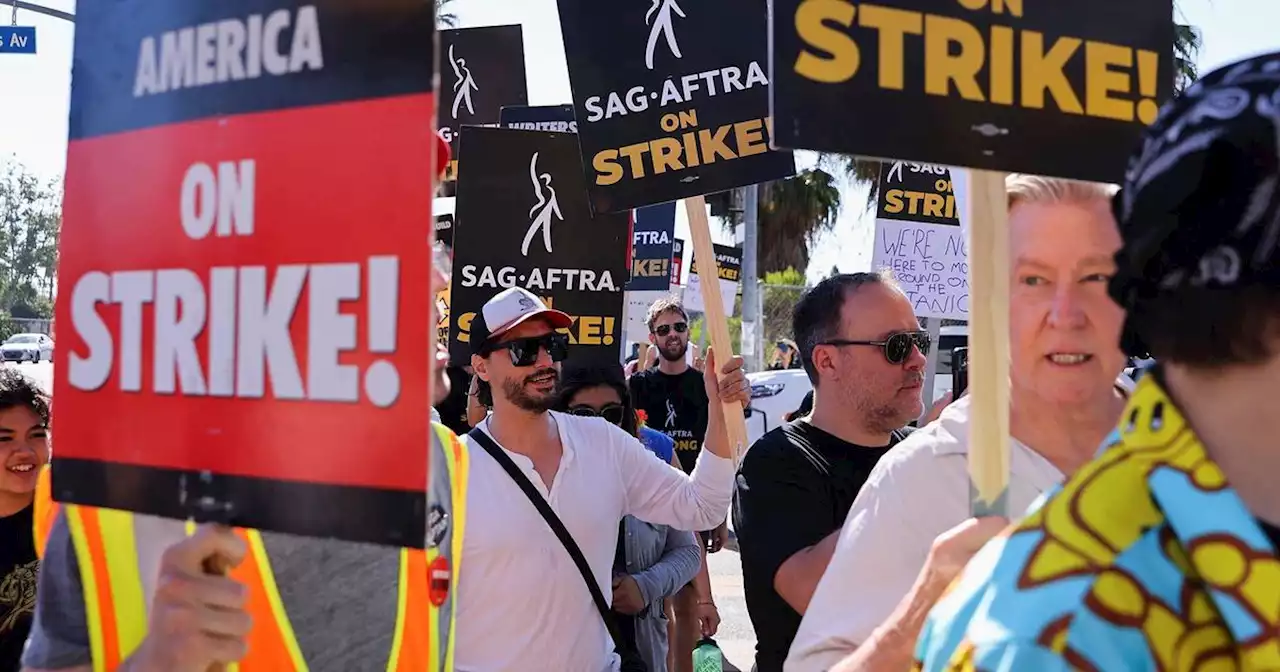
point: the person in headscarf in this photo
(1161, 554)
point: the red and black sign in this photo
(244, 289)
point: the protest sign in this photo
(225, 339)
(677, 260)
(481, 70)
(637, 312)
(729, 266)
(528, 187)
(919, 239)
(554, 118)
(1034, 86)
(651, 247)
(671, 100)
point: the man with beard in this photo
(522, 602)
(672, 396)
(862, 348)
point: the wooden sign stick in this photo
(987, 213)
(717, 323)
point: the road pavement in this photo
(737, 639)
(41, 372)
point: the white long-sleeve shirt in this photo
(522, 604)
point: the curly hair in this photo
(16, 389)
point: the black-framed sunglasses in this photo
(897, 347)
(665, 329)
(524, 351)
(614, 413)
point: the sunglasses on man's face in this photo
(611, 412)
(524, 351)
(665, 329)
(897, 347)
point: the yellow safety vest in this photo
(106, 550)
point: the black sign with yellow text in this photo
(671, 98)
(916, 192)
(1036, 86)
(481, 70)
(528, 189)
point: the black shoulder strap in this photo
(553, 521)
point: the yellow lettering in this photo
(942, 67)
(713, 145)
(635, 153)
(842, 58)
(750, 137)
(607, 169)
(666, 154)
(893, 25)
(1000, 65)
(893, 201)
(590, 330)
(933, 204)
(1101, 81)
(464, 327)
(1043, 71)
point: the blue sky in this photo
(34, 89)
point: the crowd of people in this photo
(574, 503)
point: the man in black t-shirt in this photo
(860, 344)
(674, 401)
(24, 449)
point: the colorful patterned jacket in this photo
(1146, 559)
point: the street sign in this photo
(17, 39)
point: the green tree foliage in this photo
(30, 221)
(780, 294)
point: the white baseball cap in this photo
(507, 310)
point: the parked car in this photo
(777, 393)
(27, 348)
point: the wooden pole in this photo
(986, 211)
(716, 322)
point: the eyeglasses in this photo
(665, 329)
(897, 347)
(611, 412)
(524, 351)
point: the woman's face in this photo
(24, 448)
(601, 399)
(1065, 328)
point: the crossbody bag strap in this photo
(553, 521)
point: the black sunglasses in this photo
(524, 351)
(611, 412)
(897, 347)
(665, 329)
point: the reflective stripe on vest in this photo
(116, 607)
(45, 511)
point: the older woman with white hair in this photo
(908, 533)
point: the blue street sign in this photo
(17, 39)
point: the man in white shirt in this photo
(522, 601)
(897, 550)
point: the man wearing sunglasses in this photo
(909, 532)
(522, 602)
(860, 344)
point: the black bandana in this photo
(1200, 206)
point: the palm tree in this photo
(792, 213)
(777, 210)
(445, 19)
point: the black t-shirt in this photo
(17, 585)
(676, 406)
(453, 410)
(795, 487)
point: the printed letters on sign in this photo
(556, 118)
(691, 117)
(541, 236)
(920, 241)
(252, 290)
(1004, 85)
